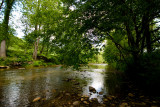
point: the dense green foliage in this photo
(69, 31)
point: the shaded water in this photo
(19, 87)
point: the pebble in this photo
(82, 99)
(37, 99)
(67, 94)
(141, 97)
(76, 103)
(130, 94)
(110, 98)
(43, 99)
(113, 105)
(79, 95)
(85, 102)
(94, 99)
(105, 100)
(154, 101)
(123, 105)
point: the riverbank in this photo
(25, 64)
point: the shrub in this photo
(37, 63)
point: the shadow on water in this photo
(115, 82)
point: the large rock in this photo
(92, 89)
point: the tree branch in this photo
(158, 28)
(154, 41)
(118, 47)
(1, 4)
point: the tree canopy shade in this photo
(135, 19)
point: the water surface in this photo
(18, 87)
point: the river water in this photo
(19, 87)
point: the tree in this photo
(134, 18)
(8, 8)
(42, 15)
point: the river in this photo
(19, 87)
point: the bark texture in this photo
(3, 49)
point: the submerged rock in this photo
(54, 91)
(21, 68)
(85, 102)
(67, 94)
(100, 93)
(76, 103)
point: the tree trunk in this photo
(142, 44)
(3, 49)
(35, 49)
(42, 49)
(35, 45)
(148, 38)
(9, 4)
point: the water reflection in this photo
(97, 75)
(20, 87)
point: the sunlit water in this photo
(18, 87)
